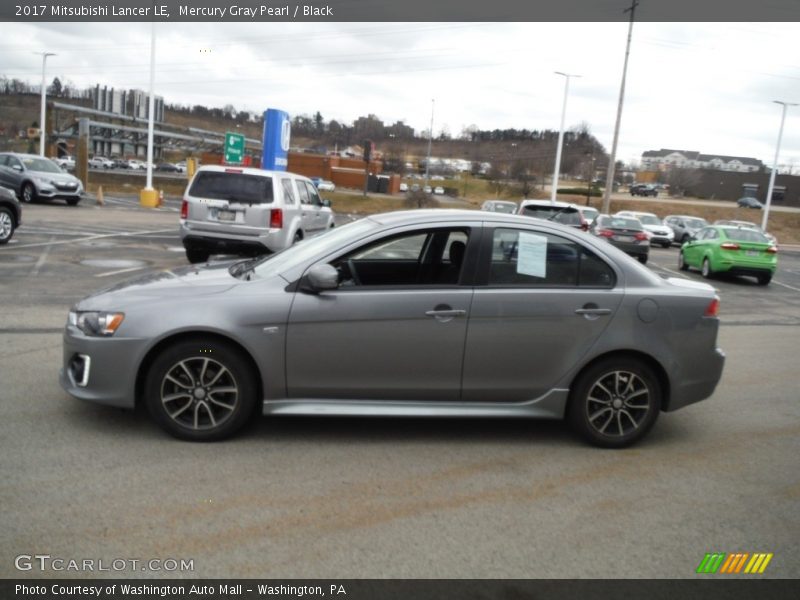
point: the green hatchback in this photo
(735, 250)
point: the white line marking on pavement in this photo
(786, 285)
(668, 270)
(96, 237)
(42, 258)
(129, 269)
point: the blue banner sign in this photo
(277, 132)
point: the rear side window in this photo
(288, 192)
(235, 187)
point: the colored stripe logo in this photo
(734, 563)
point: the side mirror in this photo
(326, 203)
(320, 278)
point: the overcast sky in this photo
(707, 87)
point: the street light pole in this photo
(775, 163)
(557, 168)
(430, 143)
(613, 157)
(148, 196)
(44, 103)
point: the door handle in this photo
(446, 313)
(593, 311)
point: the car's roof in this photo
(636, 213)
(684, 217)
(546, 203)
(246, 171)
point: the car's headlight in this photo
(44, 180)
(96, 323)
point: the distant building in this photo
(665, 159)
(130, 103)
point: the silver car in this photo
(424, 313)
(249, 211)
(684, 226)
(34, 177)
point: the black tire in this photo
(298, 237)
(197, 256)
(666, 244)
(682, 262)
(73, 201)
(706, 269)
(624, 388)
(188, 407)
(762, 279)
(6, 225)
(685, 238)
(28, 193)
(642, 258)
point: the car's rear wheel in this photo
(764, 279)
(682, 262)
(615, 402)
(706, 269)
(6, 225)
(201, 390)
(197, 256)
(28, 193)
(298, 237)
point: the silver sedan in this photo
(424, 313)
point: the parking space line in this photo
(96, 237)
(119, 271)
(786, 285)
(668, 270)
(42, 259)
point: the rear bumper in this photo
(688, 390)
(265, 242)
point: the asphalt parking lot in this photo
(314, 498)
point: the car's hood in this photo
(190, 281)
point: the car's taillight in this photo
(276, 218)
(605, 233)
(729, 246)
(641, 236)
(585, 226)
(184, 209)
(771, 250)
(713, 308)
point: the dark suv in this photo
(10, 214)
(643, 189)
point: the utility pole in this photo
(774, 172)
(430, 143)
(557, 168)
(613, 158)
(42, 133)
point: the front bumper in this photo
(100, 369)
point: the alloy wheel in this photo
(618, 403)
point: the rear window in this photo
(620, 223)
(235, 187)
(746, 235)
(559, 214)
(649, 220)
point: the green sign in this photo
(234, 148)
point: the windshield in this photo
(41, 164)
(567, 215)
(329, 241)
(649, 220)
(504, 207)
(696, 223)
(236, 187)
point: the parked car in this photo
(10, 214)
(748, 225)
(249, 211)
(684, 226)
(323, 185)
(136, 165)
(101, 162)
(403, 314)
(588, 213)
(643, 189)
(181, 166)
(65, 162)
(33, 178)
(748, 202)
(734, 250)
(559, 212)
(120, 163)
(167, 167)
(427, 189)
(501, 206)
(438, 190)
(404, 187)
(626, 233)
(659, 233)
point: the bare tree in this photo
(681, 180)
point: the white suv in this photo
(235, 210)
(659, 233)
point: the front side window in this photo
(528, 258)
(312, 193)
(431, 257)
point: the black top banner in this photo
(399, 10)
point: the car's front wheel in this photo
(615, 402)
(28, 193)
(6, 225)
(73, 201)
(197, 256)
(201, 390)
